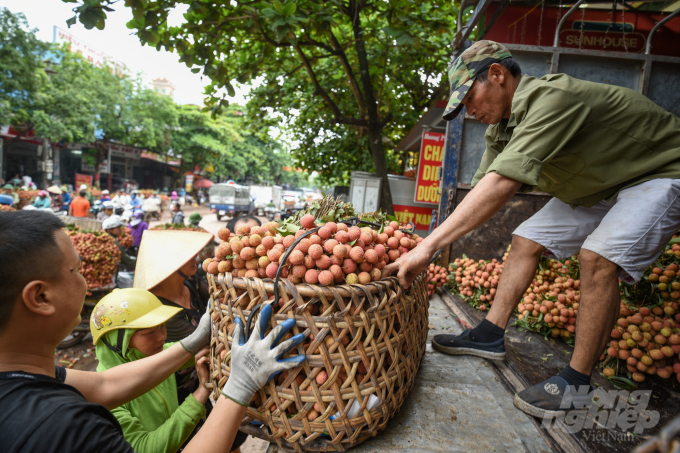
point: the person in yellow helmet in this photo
(129, 325)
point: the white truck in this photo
(262, 195)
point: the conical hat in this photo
(163, 252)
(54, 189)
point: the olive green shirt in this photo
(582, 142)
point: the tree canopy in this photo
(348, 78)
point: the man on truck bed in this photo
(611, 159)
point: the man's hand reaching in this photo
(409, 265)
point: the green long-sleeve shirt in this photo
(582, 142)
(125, 259)
(153, 422)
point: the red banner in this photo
(431, 154)
(83, 179)
(421, 217)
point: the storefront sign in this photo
(431, 154)
(189, 184)
(129, 152)
(420, 216)
(83, 179)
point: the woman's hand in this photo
(203, 371)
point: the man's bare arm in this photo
(489, 195)
(120, 384)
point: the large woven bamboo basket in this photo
(378, 329)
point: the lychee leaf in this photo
(292, 228)
(353, 242)
(283, 231)
(230, 257)
(392, 218)
(328, 218)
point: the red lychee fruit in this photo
(340, 251)
(376, 274)
(296, 257)
(206, 263)
(405, 242)
(389, 231)
(255, 240)
(271, 270)
(213, 268)
(324, 262)
(354, 233)
(252, 264)
(238, 262)
(380, 250)
(224, 266)
(343, 227)
(326, 278)
(251, 273)
(394, 225)
(315, 251)
(307, 221)
(365, 267)
(366, 237)
(299, 271)
(274, 255)
(303, 245)
(371, 256)
(268, 242)
(322, 377)
(225, 249)
(261, 250)
(312, 276)
(243, 230)
(223, 234)
(332, 226)
(324, 232)
(247, 253)
(236, 247)
(338, 275)
(309, 262)
(315, 239)
(329, 245)
(394, 255)
(349, 266)
(263, 262)
(342, 237)
(364, 278)
(335, 260)
(393, 243)
(356, 254)
(288, 241)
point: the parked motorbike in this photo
(152, 209)
(270, 212)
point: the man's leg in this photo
(518, 273)
(598, 310)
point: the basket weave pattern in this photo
(378, 327)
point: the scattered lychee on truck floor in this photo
(646, 337)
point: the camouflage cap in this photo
(464, 69)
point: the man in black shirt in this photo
(46, 409)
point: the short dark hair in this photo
(82, 193)
(509, 63)
(29, 251)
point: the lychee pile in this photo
(126, 239)
(100, 256)
(645, 342)
(335, 254)
(4, 207)
(436, 276)
(475, 280)
(177, 226)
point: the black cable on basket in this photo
(282, 262)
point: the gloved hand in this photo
(257, 361)
(200, 337)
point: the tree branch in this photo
(340, 52)
(339, 117)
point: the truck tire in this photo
(219, 217)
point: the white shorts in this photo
(630, 232)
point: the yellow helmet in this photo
(128, 308)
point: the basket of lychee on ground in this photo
(366, 335)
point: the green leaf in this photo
(291, 227)
(404, 39)
(289, 9)
(392, 218)
(71, 21)
(278, 7)
(328, 218)
(196, 70)
(269, 13)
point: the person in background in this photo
(138, 226)
(79, 206)
(135, 201)
(42, 201)
(154, 422)
(8, 189)
(88, 194)
(105, 196)
(106, 212)
(167, 267)
(173, 196)
(121, 199)
(177, 214)
(114, 227)
(65, 197)
(195, 218)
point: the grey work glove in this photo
(200, 337)
(257, 361)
